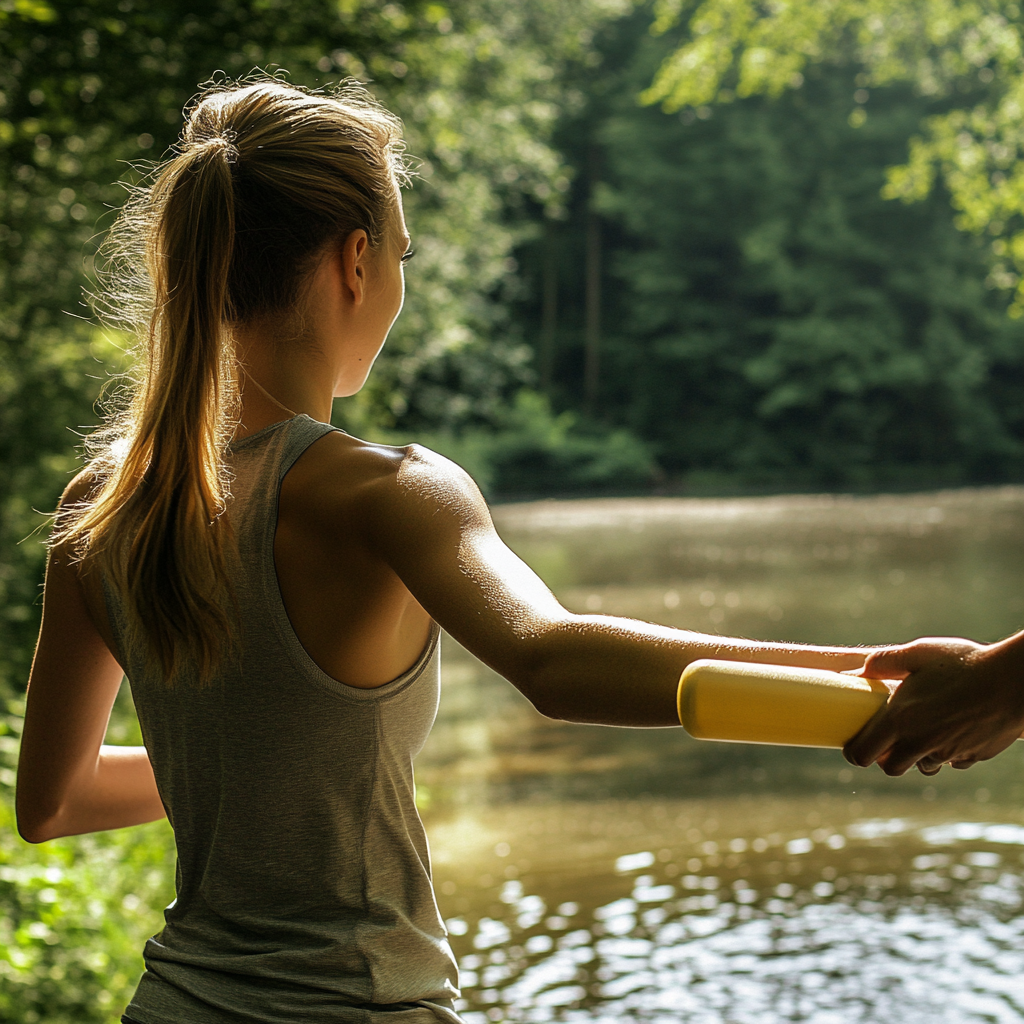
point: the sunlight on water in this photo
(607, 875)
(844, 921)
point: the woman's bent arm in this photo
(430, 523)
(68, 781)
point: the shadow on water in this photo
(595, 874)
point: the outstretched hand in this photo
(959, 704)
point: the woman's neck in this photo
(278, 381)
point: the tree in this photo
(768, 318)
(965, 56)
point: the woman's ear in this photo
(355, 256)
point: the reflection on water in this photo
(651, 911)
(598, 874)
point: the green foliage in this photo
(768, 317)
(480, 101)
(533, 451)
(743, 48)
(967, 56)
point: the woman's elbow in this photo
(542, 703)
(539, 675)
(546, 696)
(35, 832)
(36, 827)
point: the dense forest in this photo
(732, 288)
(734, 282)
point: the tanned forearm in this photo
(118, 792)
(612, 671)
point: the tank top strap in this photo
(272, 451)
(298, 434)
(259, 463)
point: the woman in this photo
(274, 588)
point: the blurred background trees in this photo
(770, 313)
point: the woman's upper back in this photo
(302, 861)
(353, 614)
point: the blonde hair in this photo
(265, 175)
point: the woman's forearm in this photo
(612, 671)
(118, 792)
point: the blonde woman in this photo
(274, 589)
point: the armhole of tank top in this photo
(297, 653)
(113, 611)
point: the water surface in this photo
(596, 874)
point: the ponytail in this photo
(265, 177)
(156, 526)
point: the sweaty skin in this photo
(372, 543)
(960, 702)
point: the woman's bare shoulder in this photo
(77, 495)
(340, 473)
(82, 486)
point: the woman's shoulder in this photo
(75, 500)
(340, 475)
(82, 486)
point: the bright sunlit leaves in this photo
(967, 51)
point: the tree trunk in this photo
(549, 311)
(592, 317)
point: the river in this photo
(610, 875)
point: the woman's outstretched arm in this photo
(431, 524)
(69, 782)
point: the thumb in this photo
(893, 662)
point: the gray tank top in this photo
(303, 877)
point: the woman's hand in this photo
(960, 702)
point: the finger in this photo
(926, 767)
(963, 764)
(872, 741)
(892, 663)
(901, 758)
